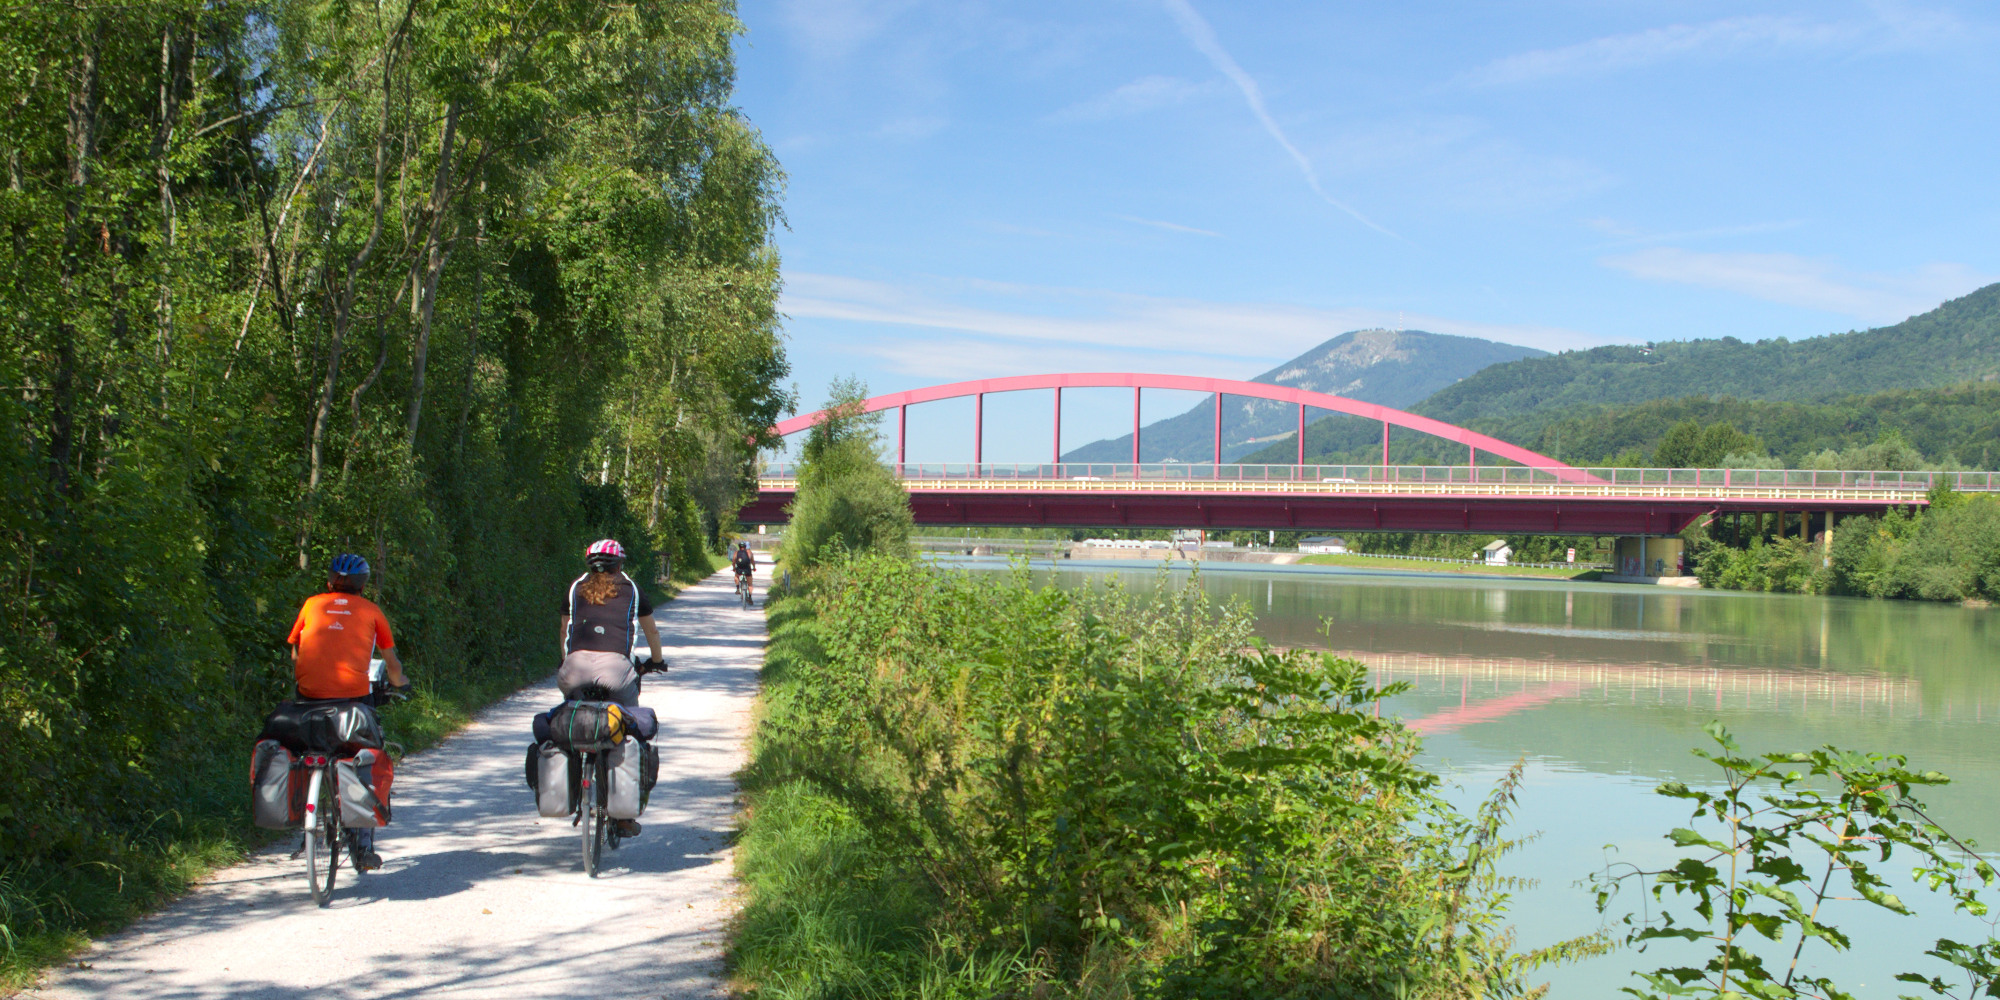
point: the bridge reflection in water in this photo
(1492, 688)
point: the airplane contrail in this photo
(1198, 31)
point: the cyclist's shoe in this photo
(366, 861)
(628, 827)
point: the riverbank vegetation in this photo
(1946, 551)
(969, 785)
(1356, 560)
(454, 287)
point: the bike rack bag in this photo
(323, 726)
(583, 725)
(277, 787)
(641, 722)
(363, 781)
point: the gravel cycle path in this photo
(477, 895)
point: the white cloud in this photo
(991, 322)
(1457, 161)
(1203, 38)
(1807, 282)
(1147, 93)
(1893, 27)
(1626, 235)
(952, 357)
(1172, 227)
(836, 28)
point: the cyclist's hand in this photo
(398, 692)
(653, 667)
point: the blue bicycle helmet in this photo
(348, 564)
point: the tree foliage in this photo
(847, 501)
(452, 284)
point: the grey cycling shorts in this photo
(589, 666)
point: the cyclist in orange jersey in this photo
(332, 640)
(337, 633)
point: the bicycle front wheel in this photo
(323, 844)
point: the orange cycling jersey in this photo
(337, 634)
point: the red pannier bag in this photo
(277, 786)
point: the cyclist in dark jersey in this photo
(743, 562)
(601, 616)
(603, 610)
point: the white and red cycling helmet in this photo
(604, 555)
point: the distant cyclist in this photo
(744, 563)
(333, 638)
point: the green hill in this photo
(1955, 343)
(1953, 424)
(1390, 367)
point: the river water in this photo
(1603, 689)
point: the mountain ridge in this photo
(1955, 343)
(1390, 367)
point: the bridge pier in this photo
(1647, 559)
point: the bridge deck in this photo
(1727, 497)
(1496, 499)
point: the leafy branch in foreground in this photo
(1774, 810)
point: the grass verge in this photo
(49, 914)
(1359, 561)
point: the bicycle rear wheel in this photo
(323, 844)
(593, 813)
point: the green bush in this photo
(972, 786)
(1949, 552)
(848, 501)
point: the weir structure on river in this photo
(1516, 491)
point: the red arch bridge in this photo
(1529, 493)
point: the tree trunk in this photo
(433, 268)
(81, 146)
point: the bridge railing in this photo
(1080, 472)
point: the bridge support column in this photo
(1135, 431)
(1218, 436)
(902, 422)
(1385, 451)
(978, 430)
(1302, 438)
(1055, 456)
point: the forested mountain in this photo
(1954, 424)
(1955, 343)
(457, 287)
(1390, 367)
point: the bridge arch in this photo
(1474, 441)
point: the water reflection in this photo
(1603, 690)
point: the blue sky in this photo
(1204, 187)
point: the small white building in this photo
(1497, 552)
(1323, 545)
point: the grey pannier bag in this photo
(363, 782)
(277, 787)
(624, 788)
(555, 792)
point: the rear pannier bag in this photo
(586, 725)
(363, 781)
(624, 787)
(324, 727)
(277, 787)
(553, 775)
